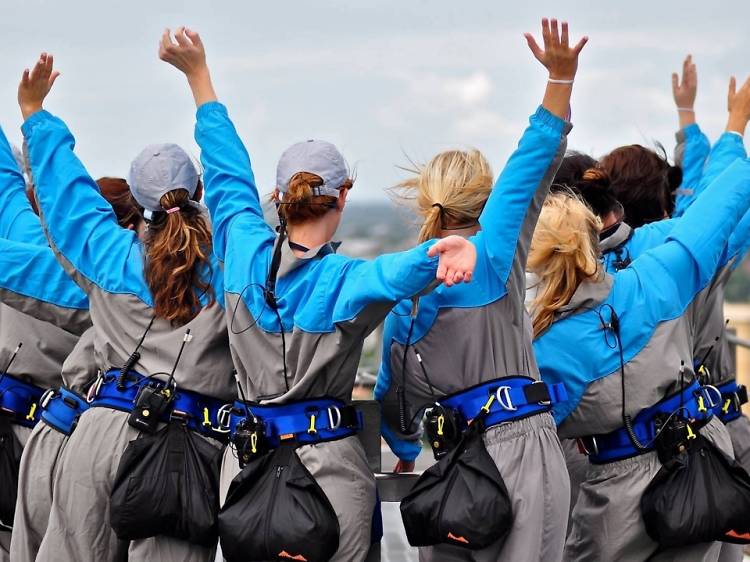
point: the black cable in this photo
(424, 372)
(10, 361)
(283, 347)
(186, 338)
(134, 358)
(401, 390)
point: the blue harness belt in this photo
(505, 399)
(307, 421)
(199, 412)
(695, 403)
(733, 396)
(20, 400)
(61, 409)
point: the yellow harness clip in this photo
(441, 423)
(725, 408)
(486, 407)
(206, 419)
(254, 443)
(690, 432)
(312, 429)
(701, 405)
(32, 411)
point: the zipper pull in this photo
(279, 469)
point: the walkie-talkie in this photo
(154, 399)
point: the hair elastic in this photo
(173, 210)
(686, 109)
(555, 81)
(439, 206)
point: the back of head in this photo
(450, 191)
(309, 177)
(178, 245)
(595, 188)
(564, 252)
(572, 168)
(642, 180)
(117, 192)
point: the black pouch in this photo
(275, 510)
(699, 495)
(460, 500)
(443, 427)
(10, 461)
(167, 483)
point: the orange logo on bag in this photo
(737, 536)
(285, 554)
(286, 436)
(457, 539)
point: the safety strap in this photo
(199, 412)
(306, 421)
(61, 409)
(505, 399)
(695, 403)
(19, 400)
(733, 396)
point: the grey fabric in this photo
(78, 527)
(82, 365)
(621, 233)
(72, 321)
(530, 460)
(22, 434)
(341, 470)
(159, 169)
(316, 157)
(606, 521)
(578, 466)
(739, 431)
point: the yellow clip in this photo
(312, 429)
(254, 442)
(32, 411)
(206, 419)
(701, 405)
(441, 423)
(691, 434)
(725, 408)
(166, 392)
(486, 407)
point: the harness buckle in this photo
(503, 397)
(585, 449)
(337, 423)
(46, 397)
(223, 417)
(709, 388)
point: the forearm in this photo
(737, 123)
(686, 116)
(557, 99)
(201, 86)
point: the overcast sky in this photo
(381, 79)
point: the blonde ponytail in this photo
(564, 252)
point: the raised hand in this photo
(738, 104)
(684, 91)
(36, 84)
(558, 57)
(186, 53)
(457, 259)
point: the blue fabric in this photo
(295, 419)
(641, 240)
(79, 221)
(509, 400)
(690, 404)
(33, 271)
(733, 396)
(61, 409)
(657, 287)
(17, 219)
(200, 412)
(496, 243)
(318, 294)
(19, 399)
(694, 157)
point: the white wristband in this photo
(686, 109)
(554, 81)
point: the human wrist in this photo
(737, 123)
(686, 116)
(28, 109)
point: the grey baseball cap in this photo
(316, 157)
(159, 169)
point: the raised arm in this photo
(32, 282)
(17, 219)
(79, 223)
(509, 218)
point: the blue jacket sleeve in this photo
(530, 169)
(17, 219)
(79, 223)
(32, 281)
(692, 150)
(693, 251)
(231, 195)
(728, 148)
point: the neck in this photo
(312, 234)
(465, 232)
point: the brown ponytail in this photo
(117, 192)
(178, 246)
(300, 205)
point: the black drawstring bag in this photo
(167, 483)
(276, 510)
(699, 495)
(10, 461)
(460, 500)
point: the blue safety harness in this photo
(505, 399)
(61, 409)
(306, 421)
(695, 404)
(199, 412)
(733, 396)
(20, 400)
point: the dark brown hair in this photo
(117, 192)
(571, 170)
(300, 205)
(178, 246)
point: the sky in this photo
(385, 81)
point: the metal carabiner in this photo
(46, 397)
(223, 418)
(712, 403)
(334, 425)
(503, 397)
